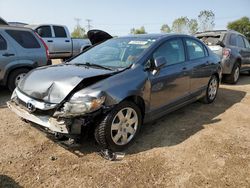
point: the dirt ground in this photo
(196, 146)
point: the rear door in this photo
(198, 65)
(62, 42)
(247, 51)
(7, 54)
(244, 52)
(171, 84)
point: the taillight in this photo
(45, 46)
(226, 52)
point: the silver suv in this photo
(20, 51)
(233, 49)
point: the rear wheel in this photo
(234, 76)
(119, 128)
(212, 90)
(15, 77)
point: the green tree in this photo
(79, 32)
(241, 25)
(206, 20)
(138, 31)
(192, 26)
(165, 28)
(181, 25)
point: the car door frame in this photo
(199, 73)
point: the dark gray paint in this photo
(170, 88)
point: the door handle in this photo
(184, 68)
(49, 40)
(8, 55)
(67, 41)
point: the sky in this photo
(118, 16)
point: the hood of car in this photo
(97, 36)
(53, 84)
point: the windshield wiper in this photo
(94, 65)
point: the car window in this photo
(240, 42)
(24, 38)
(246, 43)
(3, 44)
(59, 32)
(233, 40)
(195, 49)
(172, 51)
(44, 31)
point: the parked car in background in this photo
(20, 51)
(118, 85)
(59, 41)
(234, 50)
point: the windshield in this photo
(114, 53)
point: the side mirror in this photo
(159, 62)
(221, 44)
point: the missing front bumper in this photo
(46, 121)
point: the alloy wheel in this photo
(124, 126)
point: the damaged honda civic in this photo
(117, 85)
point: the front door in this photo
(170, 84)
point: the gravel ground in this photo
(196, 146)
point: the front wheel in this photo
(212, 90)
(119, 128)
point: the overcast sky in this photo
(116, 16)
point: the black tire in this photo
(231, 78)
(12, 77)
(103, 130)
(207, 99)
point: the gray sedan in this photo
(117, 85)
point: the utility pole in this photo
(78, 20)
(89, 26)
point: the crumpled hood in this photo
(53, 83)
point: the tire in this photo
(14, 76)
(211, 91)
(115, 139)
(234, 76)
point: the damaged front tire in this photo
(119, 127)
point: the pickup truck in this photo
(59, 42)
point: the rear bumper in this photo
(46, 121)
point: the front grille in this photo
(23, 105)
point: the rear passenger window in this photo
(233, 40)
(247, 43)
(240, 42)
(59, 32)
(44, 31)
(172, 51)
(3, 44)
(24, 38)
(195, 49)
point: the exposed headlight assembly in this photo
(80, 104)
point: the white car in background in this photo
(59, 41)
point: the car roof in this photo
(216, 32)
(155, 36)
(14, 27)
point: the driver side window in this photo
(172, 51)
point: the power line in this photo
(89, 26)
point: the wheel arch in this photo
(138, 101)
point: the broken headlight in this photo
(80, 104)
